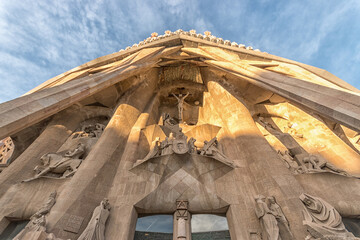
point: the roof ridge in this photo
(207, 36)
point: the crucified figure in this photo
(181, 100)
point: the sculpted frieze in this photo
(273, 221)
(59, 165)
(37, 221)
(322, 220)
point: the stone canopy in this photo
(182, 124)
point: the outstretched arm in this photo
(175, 96)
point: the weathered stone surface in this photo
(183, 118)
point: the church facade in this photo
(183, 124)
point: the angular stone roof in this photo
(306, 86)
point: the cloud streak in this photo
(41, 39)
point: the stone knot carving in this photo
(273, 221)
(322, 220)
(59, 165)
(95, 230)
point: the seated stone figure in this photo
(212, 149)
(322, 220)
(63, 165)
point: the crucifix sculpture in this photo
(181, 100)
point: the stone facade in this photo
(182, 124)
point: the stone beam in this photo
(27, 110)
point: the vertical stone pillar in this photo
(50, 140)
(259, 170)
(182, 221)
(95, 176)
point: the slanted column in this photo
(94, 178)
(182, 221)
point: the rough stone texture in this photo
(261, 109)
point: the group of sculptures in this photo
(95, 230)
(273, 221)
(37, 221)
(322, 220)
(91, 130)
(309, 164)
(59, 165)
(64, 164)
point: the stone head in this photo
(259, 198)
(271, 199)
(45, 159)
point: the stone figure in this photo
(323, 220)
(289, 161)
(95, 229)
(211, 149)
(154, 149)
(268, 221)
(181, 100)
(46, 207)
(283, 223)
(191, 144)
(314, 164)
(37, 221)
(62, 165)
(93, 130)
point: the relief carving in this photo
(267, 219)
(314, 164)
(57, 165)
(95, 229)
(178, 143)
(37, 221)
(322, 220)
(273, 221)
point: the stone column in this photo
(94, 178)
(259, 170)
(182, 221)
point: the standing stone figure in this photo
(181, 100)
(37, 221)
(283, 223)
(268, 221)
(95, 229)
(323, 220)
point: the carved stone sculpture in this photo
(267, 219)
(37, 221)
(289, 161)
(93, 130)
(283, 223)
(322, 220)
(212, 149)
(181, 100)
(95, 229)
(313, 164)
(182, 216)
(61, 165)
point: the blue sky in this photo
(41, 39)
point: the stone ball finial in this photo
(207, 33)
(154, 34)
(167, 32)
(192, 31)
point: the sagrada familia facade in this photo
(183, 124)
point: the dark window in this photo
(352, 225)
(13, 229)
